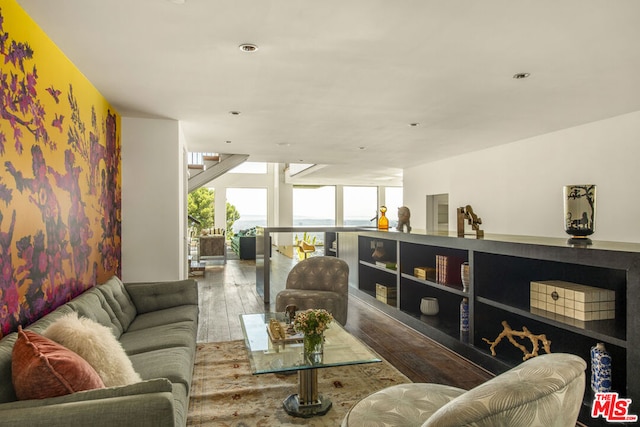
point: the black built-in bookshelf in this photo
(501, 269)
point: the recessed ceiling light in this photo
(362, 148)
(518, 76)
(228, 142)
(414, 124)
(248, 47)
(234, 113)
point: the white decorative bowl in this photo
(429, 306)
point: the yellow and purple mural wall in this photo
(60, 176)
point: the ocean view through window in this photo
(314, 206)
(360, 206)
(251, 204)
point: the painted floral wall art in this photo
(60, 176)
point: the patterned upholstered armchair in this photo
(544, 391)
(318, 282)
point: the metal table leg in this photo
(307, 403)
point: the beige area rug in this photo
(225, 393)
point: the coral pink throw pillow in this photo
(42, 368)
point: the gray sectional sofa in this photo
(156, 323)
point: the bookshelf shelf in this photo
(501, 270)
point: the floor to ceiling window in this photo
(248, 199)
(360, 206)
(251, 204)
(314, 206)
(393, 200)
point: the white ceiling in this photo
(338, 82)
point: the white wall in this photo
(183, 190)
(153, 200)
(282, 205)
(517, 188)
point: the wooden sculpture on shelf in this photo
(466, 213)
(525, 333)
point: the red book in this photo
(448, 270)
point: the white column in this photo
(153, 201)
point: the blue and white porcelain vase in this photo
(600, 369)
(464, 315)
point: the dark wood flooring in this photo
(228, 290)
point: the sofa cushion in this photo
(167, 316)
(178, 334)
(7, 392)
(401, 405)
(41, 324)
(42, 368)
(119, 300)
(137, 406)
(157, 385)
(96, 344)
(149, 297)
(180, 403)
(175, 364)
(93, 305)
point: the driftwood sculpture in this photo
(525, 333)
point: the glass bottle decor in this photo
(579, 212)
(383, 221)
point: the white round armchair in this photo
(545, 391)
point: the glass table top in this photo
(265, 356)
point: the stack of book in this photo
(448, 270)
(387, 264)
(386, 294)
(425, 273)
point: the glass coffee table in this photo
(267, 356)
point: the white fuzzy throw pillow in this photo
(96, 344)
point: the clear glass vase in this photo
(313, 348)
